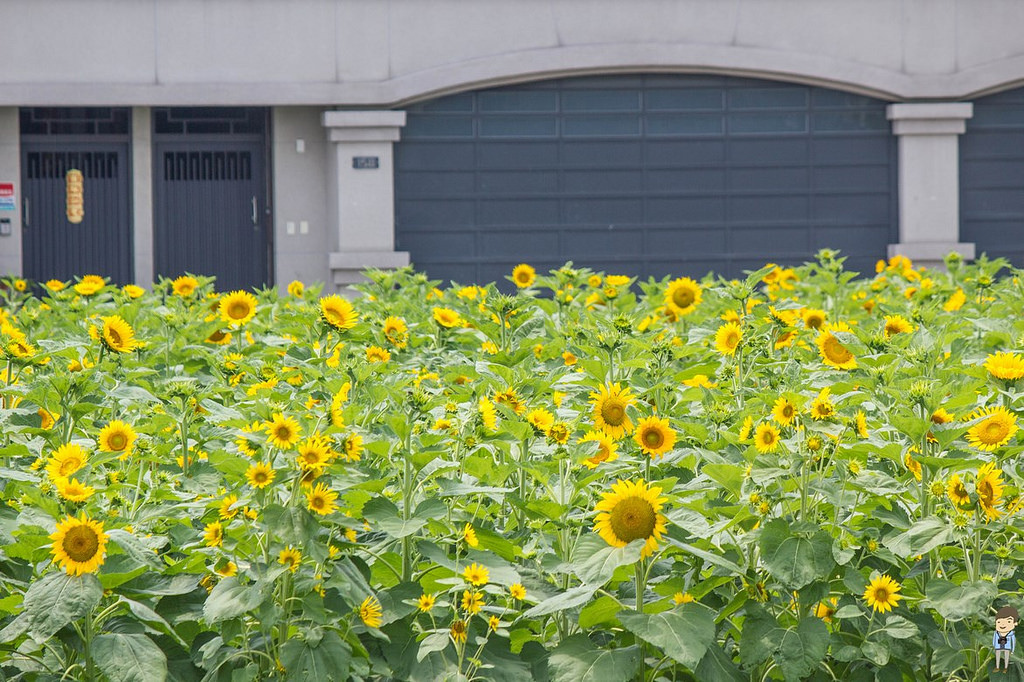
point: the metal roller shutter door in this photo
(647, 175)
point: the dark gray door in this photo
(210, 197)
(95, 142)
(646, 175)
(992, 177)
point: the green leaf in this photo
(136, 548)
(803, 648)
(684, 634)
(231, 599)
(599, 611)
(52, 602)
(563, 600)
(691, 521)
(385, 515)
(129, 658)
(294, 523)
(729, 476)
(899, 627)
(795, 560)
(718, 666)
(153, 620)
(435, 641)
(595, 561)
(920, 538)
(959, 602)
(327, 659)
(708, 556)
(578, 660)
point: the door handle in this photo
(25, 206)
(255, 220)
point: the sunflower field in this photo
(805, 474)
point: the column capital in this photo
(929, 118)
(363, 126)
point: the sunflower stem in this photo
(90, 671)
(639, 580)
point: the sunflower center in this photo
(81, 543)
(653, 438)
(260, 477)
(633, 519)
(985, 493)
(732, 339)
(882, 595)
(682, 297)
(283, 433)
(318, 502)
(68, 466)
(613, 412)
(238, 310)
(814, 321)
(836, 351)
(995, 431)
(767, 438)
(117, 441)
(787, 411)
(115, 338)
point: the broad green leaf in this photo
(920, 538)
(899, 627)
(684, 633)
(691, 521)
(597, 567)
(129, 658)
(577, 659)
(793, 559)
(136, 548)
(599, 611)
(294, 524)
(153, 620)
(327, 659)
(718, 666)
(802, 649)
(563, 600)
(709, 557)
(435, 641)
(383, 514)
(230, 599)
(958, 602)
(729, 476)
(52, 602)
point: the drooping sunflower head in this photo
(184, 286)
(219, 337)
(79, 545)
(682, 296)
(766, 438)
(631, 512)
(610, 416)
(338, 312)
(996, 430)
(881, 593)
(321, 500)
(117, 436)
(833, 352)
(540, 419)
(283, 432)
(290, 557)
(897, 324)
(654, 436)
(912, 464)
(118, 335)
(957, 491)
(523, 275)
(784, 411)
(989, 486)
(1008, 366)
(237, 308)
(728, 337)
(861, 421)
(458, 631)
(607, 450)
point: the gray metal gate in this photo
(644, 175)
(992, 177)
(95, 142)
(210, 203)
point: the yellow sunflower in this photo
(184, 285)
(338, 401)
(654, 436)
(469, 535)
(833, 353)
(784, 411)
(118, 335)
(699, 381)
(458, 632)
(314, 453)
(68, 459)
(321, 500)
(227, 510)
(79, 545)
(517, 591)
(219, 337)
(338, 312)
(766, 438)
(73, 491)
(472, 602)
(47, 420)
(396, 332)
(1009, 366)
(957, 491)
(813, 318)
(237, 308)
(682, 296)
(607, 450)
(90, 284)
(370, 612)
(897, 324)
(727, 338)
(213, 534)
(955, 302)
(989, 486)
(631, 512)
(55, 285)
(283, 432)
(117, 436)
(881, 593)
(523, 275)
(745, 428)
(446, 317)
(822, 407)
(861, 422)
(540, 419)
(290, 557)
(353, 447)
(610, 405)
(995, 431)
(133, 290)
(475, 574)
(260, 475)
(826, 610)
(296, 288)
(377, 354)
(426, 602)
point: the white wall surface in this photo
(387, 52)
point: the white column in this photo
(929, 179)
(10, 172)
(361, 192)
(142, 196)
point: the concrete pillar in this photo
(10, 172)
(929, 179)
(142, 196)
(361, 192)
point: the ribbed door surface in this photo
(644, 175)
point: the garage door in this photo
(648, 175)
(992, 177)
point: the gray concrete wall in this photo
(10, 171)
(387, 52)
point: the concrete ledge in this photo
(929, 118)
(931, 252)
(363, 126)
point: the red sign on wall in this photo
(6, 196)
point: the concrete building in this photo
(264, 141)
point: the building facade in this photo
(263, 141)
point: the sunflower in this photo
(426, 602)
(517, 591)
(654, 436)
(861, 422)
(833, 353)
(458, 631)
(184, 285)
(219, 337)
(133, 291)
(941, 416)
(117, 436)
(523, 275)
(822, 407)
(813, 318)
(469, 535)
(745, 428)
(995, 431)
(881, 593)
(213, 534)
(79, 545)
(377, 354)
(314, 453)
(912, 464)
(727, 338)
(290, 557)
(511, 400)
(989, 486)
(321, 500)
(260, 475)
(955, 302)
(338, 312)
(118, 335)
(682, 296)
(784, 411)
(559, 433)
(682, 598)
(396, 331)
(607, 450)
(826, 610)
(47, 420)
(296, 288)
(476, 574)
(631, 512)
(541, 419)
(68, 459)
(73, 491)
(610, 405)
(237, 308)
(90, 284)
(370, 612)
(227, 510)
(699, 381)
(55, 285)
(338, 401)
(446, 317)
(957, 491)
(229, 569)
(897, 324)
(283, 432)
(1007, 366)
(766, 438)
(472, 602)
(488, 415)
